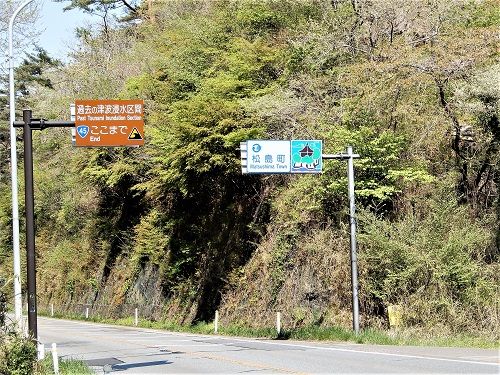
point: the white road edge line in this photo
(284, 344)
(375, 353)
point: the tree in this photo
(24, 32)
(408, 84)
(104, 8)
(98, 6)
(479, 138)
(28, 74)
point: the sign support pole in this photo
(352, 224)
(28, 124)
(250, 154)
(354, 260)
(30, 224)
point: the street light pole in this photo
(13, 169)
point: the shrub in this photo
(17, 355)
(434, 266)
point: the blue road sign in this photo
(82, 130)
(306, 156)
(272, 156)
(266, 156)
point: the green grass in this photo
(393, 337)
(458, 340)
(368, 336)
(66, 367)
(269, 333)
(313, 333)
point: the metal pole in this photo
(352, 221)
(18, 306)
(30, 224)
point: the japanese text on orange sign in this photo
(109, 122)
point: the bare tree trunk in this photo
(130, 7)
(354, 4)
(463, 190)
(151, 14)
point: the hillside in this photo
(175, 228)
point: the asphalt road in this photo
(145, 351)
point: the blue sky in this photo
(58, 27)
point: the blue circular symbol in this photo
(256, 147)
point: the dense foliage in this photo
(412, 86)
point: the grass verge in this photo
(312, 333)
(66, 367)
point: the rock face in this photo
(123, 293)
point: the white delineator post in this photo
(278, 323)
(40, 351)
(87, 313)
(136, 320)
(55, 359)
(18, 306)
(216, 321)
(51, 309)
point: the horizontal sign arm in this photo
(40, 124)
(340, 156)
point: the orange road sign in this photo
(109, 123)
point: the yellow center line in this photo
(194, 354)
(252, 364)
